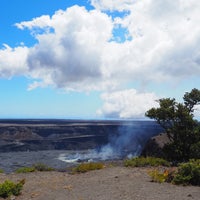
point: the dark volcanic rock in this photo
(35, 135)
(154, 146)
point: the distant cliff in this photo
(33, 135)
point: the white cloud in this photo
(13, 61)
(69, 56)
(165, 44)
(127, 104)
(39, 22)
(75, 49)
(112, 5)
(75, 52)
(197, 112)
(130, 103)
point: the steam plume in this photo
(128, 142)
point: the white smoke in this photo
(127, 142)
(105, 153)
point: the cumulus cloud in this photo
(170, 28)
(165, 44)
(68, 53)
(127, 104)
(13, 61)
(76, 48)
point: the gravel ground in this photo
(110, 183)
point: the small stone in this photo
(12, 198)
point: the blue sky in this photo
(96, 58)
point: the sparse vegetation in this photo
(42, 167)
(9, 188)
(25, 170)
(183, 131)
(143, 162)
(188, 173)
(85, 167)
(162, 175)
(158, 176)
(35, 167)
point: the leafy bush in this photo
(148, 161)
(9, 188)
(188, 173)
(85, 167)
(1, 171)
(25, 170)
(36, 167)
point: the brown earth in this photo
(110, 183)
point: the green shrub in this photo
(143, 162)
(1, 171)
(36, 167)
(188, 173)
(42, 167)
(85, 167)
(25, 170)
(9, 188)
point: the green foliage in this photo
(85, 167)
(178, 122)
(1, 171)
(162, 176)
(9, 188)
(143, 162)
(35, 167)
(195, 150)
(188, 173)
(42, 167)
(191, 99)
(157, 176)
(25, 170)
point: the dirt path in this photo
(111, 183)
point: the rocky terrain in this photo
(154, 146)
(26, 142)
(34, 135)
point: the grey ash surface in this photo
(10, 161)
(110, 183)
